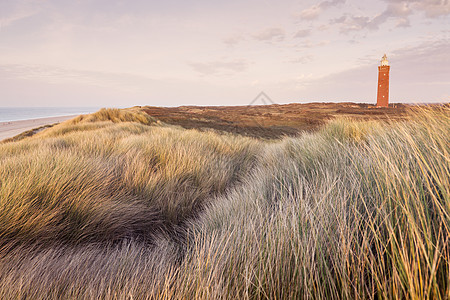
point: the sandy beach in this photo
(13, 128)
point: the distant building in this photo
(383, 83)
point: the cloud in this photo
(326, 4)
(302, 33)
(433, 53)
(302, 59)
(271, 34)
(310, 44)
(13, 11)
(41, 85)
(58, 75)
(398, 10)
(355, 23)
(403, 22)
(310, 13)
(434, 8)
(220, 67)
(431, 8)
(314, 11)
(233, 40)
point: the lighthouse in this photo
(383, 83)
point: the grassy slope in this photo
(117, 205)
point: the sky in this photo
(117, 53)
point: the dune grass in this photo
(124, 208)
(115, 115)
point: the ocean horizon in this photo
(8, 114)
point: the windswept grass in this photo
(142, 210)
(115, 115)
(112, 182)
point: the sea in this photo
(26, 113)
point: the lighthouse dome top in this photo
(384, 61)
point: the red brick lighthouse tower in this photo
(383, 83)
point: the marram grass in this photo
(123, 207)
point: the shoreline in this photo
(9, 129)
(38, 118)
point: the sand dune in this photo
(13, 128)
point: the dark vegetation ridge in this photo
(271, 121)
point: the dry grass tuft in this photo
(116, 116)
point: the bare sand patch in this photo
(13, 128)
